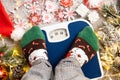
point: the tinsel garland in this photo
(12, 63)
(109, 37)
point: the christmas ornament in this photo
(2, 50)
(34, 19)
(3, 73)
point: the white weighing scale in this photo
(59, 39)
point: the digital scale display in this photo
(58, 34)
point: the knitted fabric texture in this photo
(88, 35)
(33, 34)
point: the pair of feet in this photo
(83, 48)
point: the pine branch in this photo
(3, 49)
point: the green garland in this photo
(13, 61)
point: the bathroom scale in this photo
(59, 38)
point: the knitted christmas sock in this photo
(85, 46)
(33, 45)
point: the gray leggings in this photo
(67, 69)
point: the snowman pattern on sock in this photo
(35, 50)
(38, 54)
(79, 54)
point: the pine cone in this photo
(18, 72)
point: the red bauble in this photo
(1, 54)
(3, 73)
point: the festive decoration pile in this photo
(12, 64)
(45, 12)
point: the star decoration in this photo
(34, 18)
(69, 14)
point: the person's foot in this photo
(33, 45)
(85, 46)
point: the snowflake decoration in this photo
(50, 6)
(33, 7)
(66, 3)
(34, 19)
(69, 14)
(20, 23)
(82, 10)
(59, 15)
(47, 17)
